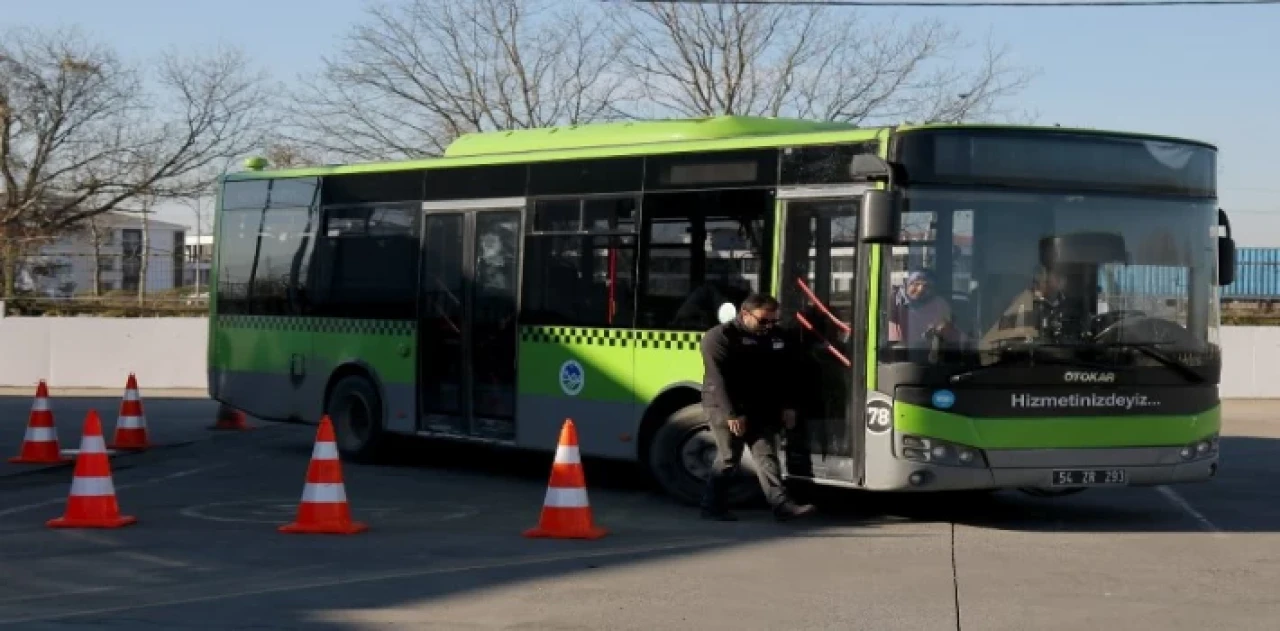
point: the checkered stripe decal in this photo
(389, 328)
(620, 338)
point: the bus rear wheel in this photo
(681, 455)
(355, 409)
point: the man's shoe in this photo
(720, 515)
(789, 510)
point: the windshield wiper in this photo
(1029, 358)
(1149, 349)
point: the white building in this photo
(65, 268)
(199, 260)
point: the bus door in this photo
(467, 333)
(818, 287)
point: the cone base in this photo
(231, 427)
(28, 460)
(95, 522)
(349, 528)
(590, 532)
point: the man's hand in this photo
(789, 419)
(737, 426)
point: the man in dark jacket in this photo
(748, 395)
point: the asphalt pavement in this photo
(445, 551)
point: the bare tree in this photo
(415, 76)
(808, 62)
(82, 133)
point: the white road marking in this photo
(370, 578)
(71, 592)
(63, 498)
(1177, 500)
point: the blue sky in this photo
(1203, 72)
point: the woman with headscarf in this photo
(917, 309)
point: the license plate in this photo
(1088, 477)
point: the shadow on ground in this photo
(229, 577)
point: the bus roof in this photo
(635, 138)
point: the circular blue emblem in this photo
(572, 378)
(944, 399)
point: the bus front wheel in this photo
(681, 455)
(355, 409)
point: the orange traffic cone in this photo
(40, 445)
(230, 419)
(92, 503)
(131, 426)
(566, 513)
(324, 509)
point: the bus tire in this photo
(355, 408)
(680, 458)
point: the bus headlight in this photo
(940, 452)
(1203, 448)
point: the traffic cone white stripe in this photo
(131, 395)
(93, 445)
(324, 451)
(92, 487)
(41, 434)
(324, 493)
(130, 422)
(568, 454)
(566, 498)
(41, 405)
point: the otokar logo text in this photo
(1080, 376)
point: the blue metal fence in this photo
(1257, 278)
(1257, 275)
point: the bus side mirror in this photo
(1226, 252)
(1226, 261)
(880, 219)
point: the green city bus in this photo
(531, 276)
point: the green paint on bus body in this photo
(267, 344)
(617, 365)
(805, 138)
(631, 133)
(1057, 432)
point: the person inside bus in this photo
(918, 312)
(749, 395)
(1044, 309)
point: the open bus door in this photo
(821, 287)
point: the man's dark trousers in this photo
(761, 437)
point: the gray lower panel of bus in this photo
(276, 396)
(605, 429)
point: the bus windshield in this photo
(988, 274)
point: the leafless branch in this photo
(413, 77)
(82, 133)
(810, 62)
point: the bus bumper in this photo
(1054, 471)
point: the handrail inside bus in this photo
(830, 349)
(821, 307)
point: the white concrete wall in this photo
(170, 353)
(101, 352)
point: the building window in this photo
(178, 257)
(131, 259)
(580, 263)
